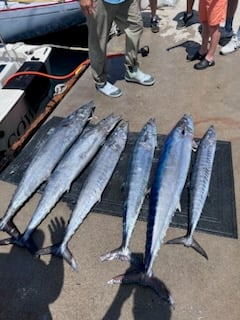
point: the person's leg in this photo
(154, 17)
(216, 14)
(190, 4)
(99, 25)
(205, 38)
(231, 9)
(187, 16)
(234, 42)
(129, 19)
(133, 28)
(215, 35)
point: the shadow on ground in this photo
(146, 303)
(27, 284)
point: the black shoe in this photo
(185, 21)
(204, 64)
(196, 56)
(155, 25)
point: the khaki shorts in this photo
(213, 11)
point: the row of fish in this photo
(59, 161)
(74, 144)
(166, 189)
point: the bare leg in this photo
(205, 38)
(231, 9)
(154, 18)
(190, 4)
(153, 6)
(215, 37)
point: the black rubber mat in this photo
(218, 216)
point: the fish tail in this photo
(59, 251)
(21, 242)
(142, 279)
(120, 253)
(196, 246)
(123, 254)
(189, 242)
(10, 228)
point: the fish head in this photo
(210, 135)
(185, 125)
(83, 112)
(108, 123)
(121, 131)
(149, 130)
(151, 126)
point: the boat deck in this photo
(201, 289)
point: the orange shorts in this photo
(212, 11)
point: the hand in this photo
(57, 228)
(87, 6)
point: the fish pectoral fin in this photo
(142, 279)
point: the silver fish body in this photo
(169, 181)
(45, 160)
(71, 165)
(201, 175)
(199, 187)
(100, 173)
(136, 186)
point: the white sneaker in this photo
(137, 76)
(109, 90)
(231, 46)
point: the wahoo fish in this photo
(71, 165)
(101, 171)
(44, 161)
(167, 186)
(199, 187)
(136, 187)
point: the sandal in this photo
(204, 64)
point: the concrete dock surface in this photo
(47, 288)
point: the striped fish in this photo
(199, 187)
(136, 187)
(70, 166)
(168, 183)
(44, 161)
(100, 173)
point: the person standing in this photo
(211, 14)
(100, 15)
